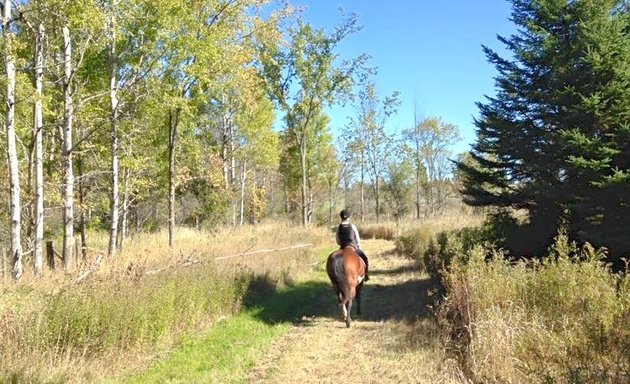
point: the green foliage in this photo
(96, 319)
(554, 141)
(397, 188)
(303, 78)
(414, 242)
(428, 142)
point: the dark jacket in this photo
(348, 235)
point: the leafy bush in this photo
(414, 243)
(436, 251)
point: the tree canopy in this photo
(554, 141)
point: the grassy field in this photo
(295, 335)
(254, 305)
(137, 306)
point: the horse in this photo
(346, 271)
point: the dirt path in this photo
(393, 341)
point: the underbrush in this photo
(378, 231)
(558, 319)
(58, 329)
(436, 250)
(92, 320)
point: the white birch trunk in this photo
(125, 210)
(68, 195)
(304, 188)
(362, 198)
(242, 202)
(38, 126)
(113, 98)
(172, 142)
(14, 175)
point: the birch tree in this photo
(113, 102)
(38, 126)
(68, 180)
(14, 175)
(372, 138)
(431, 139)
(303, 79)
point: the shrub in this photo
(377, 231)
(435, 251)
(414, 243)
(558, 320)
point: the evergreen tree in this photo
(554, 140)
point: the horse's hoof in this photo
(347, 323)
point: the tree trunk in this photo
(304, 188)
(38, 126)
(173, 126)
(418, 185)
(14, 175)
(113, 98)
(330, 204)
(377, 198)
(68, 195)
(242, 202)
(230, 130)
(362, 188)
(82, 221)
(125, 210)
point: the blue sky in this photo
(430, 51)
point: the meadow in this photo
(123, 312)
(559, 318)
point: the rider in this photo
(347, 234)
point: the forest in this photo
(140, 115)
(174, 176)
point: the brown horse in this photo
(346, 270)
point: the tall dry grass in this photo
(421, 239)
(558, 320)
(56, 328)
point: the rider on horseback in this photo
(348, 235)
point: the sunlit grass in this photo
(144, 299)
(555, 321)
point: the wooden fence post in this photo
(50, 255)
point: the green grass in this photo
(224, 355)
(229, 349)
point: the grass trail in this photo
(296, 335)
(394, 341)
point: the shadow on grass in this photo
(396, 271)
(407, 301)
(292, 303)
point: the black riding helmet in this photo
(344, 214)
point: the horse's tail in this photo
(341, 281)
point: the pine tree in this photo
(554, 140)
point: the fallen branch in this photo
(189, 262)
(263, 251)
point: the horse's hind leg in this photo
(348, 310)
(358, 299)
